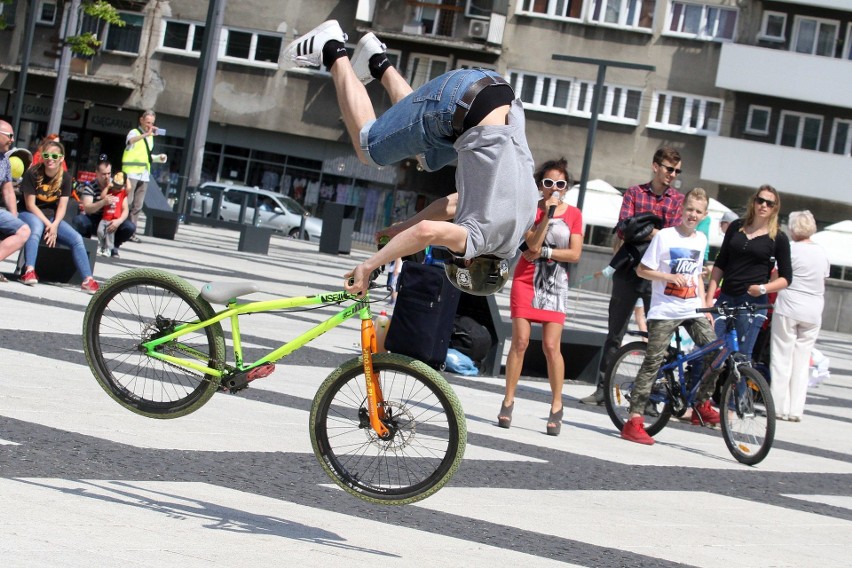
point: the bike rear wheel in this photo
(430, 432)
(133, 307)
(747, 414)
(618, 390)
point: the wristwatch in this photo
(762, 289)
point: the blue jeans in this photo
(421, 123)
(748, 325)
(9, 224)
(65, 235)
(87, 226)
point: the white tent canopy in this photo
(836, 239)
(602, 204)
(716, 210)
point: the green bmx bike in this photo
(386, 428)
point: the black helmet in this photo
(480, 276)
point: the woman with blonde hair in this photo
(797, 318)
(751, 249)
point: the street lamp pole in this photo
(55, 122)
(199, 113)
(602, 65)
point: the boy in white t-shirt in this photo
(674, 262)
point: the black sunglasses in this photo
(762, 201)
(670, 169)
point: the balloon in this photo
(17, 166)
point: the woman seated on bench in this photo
(45, 190)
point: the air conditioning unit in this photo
(478, 29)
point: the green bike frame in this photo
(235, 310)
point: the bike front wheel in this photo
(747, 414)
(137, 306)
(618, 391)
(425, 417)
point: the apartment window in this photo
(46, 13)
(8, 12)
(758, 120)
(564, 95)
(773, 27)
(617, 104)
(623, 13)
(700, 21)
(815, 36)
(539, 92)
(557, 9)
(125, 39)
(841, 137)
(241, 46)
(424, 68)
(437, 21)
(479, 8)
(799, 130)
(182, 37)
(685, 113)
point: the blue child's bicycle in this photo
(746, 409)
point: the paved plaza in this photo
(86, 483)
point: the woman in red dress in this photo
(540, 288)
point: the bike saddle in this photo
(221, 292)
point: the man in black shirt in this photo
(86, 223)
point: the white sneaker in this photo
(102, 252)
(369, 46)
(307, 50)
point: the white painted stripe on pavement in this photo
(142, 524)
(695, 528)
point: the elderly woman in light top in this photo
(797, 319)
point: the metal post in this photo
(199, 113)
(590, 137)
(593, 123)
(29, 32)
(64, 70)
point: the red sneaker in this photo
(634, 431)
(29, 278)
(708, 415)
(89, 285)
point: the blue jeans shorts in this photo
(9, 224)
(421, 123)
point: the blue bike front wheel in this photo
(747, 414)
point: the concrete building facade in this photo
(749, 91)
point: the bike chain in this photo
(172, 350)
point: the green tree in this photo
(86, 44)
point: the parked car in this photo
(274, 210)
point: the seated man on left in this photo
(13, 232)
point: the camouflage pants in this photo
(660, 334)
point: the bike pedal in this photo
(262, 371)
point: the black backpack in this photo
(471, 338)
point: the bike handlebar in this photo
(373, 276)
(725, 310)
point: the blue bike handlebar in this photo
(725, 310)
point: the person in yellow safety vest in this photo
(136, 163)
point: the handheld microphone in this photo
(552, 210)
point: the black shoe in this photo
(135, 239)
(651, 410)
(596, 398)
